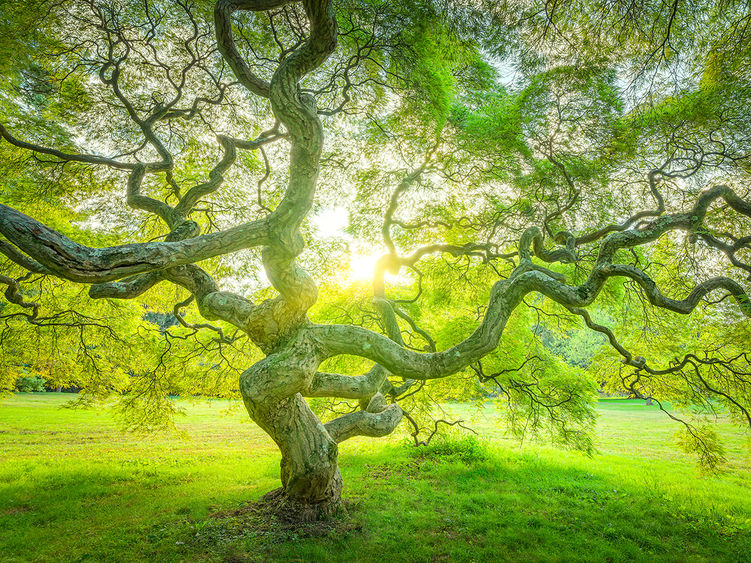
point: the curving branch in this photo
(404, 185)
(653, 178)
(14, 255)
(13, 295)
(634, 361)
(507, 294)
(686, 305)
(195, 327)
(83, 158)
(729, 250)
(223, 11)
(127, 288)
(426, 442)
(532, 238)
(137, 201)
(229, 146)
(346, 386)
(378, 419)
(677, 367)
(296, 111)
(76, 262)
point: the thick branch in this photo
(635, 218)
(21, 259)
(346, 386)
(376, 421)
(297, 112)
(226, 43)
(229, 147)
(128, 288)
(507, 294)
(14, 295)
(80, 263)
(144, 203)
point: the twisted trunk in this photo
(273, 391)
(311, 482)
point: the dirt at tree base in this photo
(275, 514)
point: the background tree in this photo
(521, 167)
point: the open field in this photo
(73, 487)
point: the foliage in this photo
(533, 177)
(712, 451)
(30, 384)
(468, 449)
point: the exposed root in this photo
(275, 515)
(293, 511)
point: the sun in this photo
(362, 265)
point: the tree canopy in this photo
(550, 198)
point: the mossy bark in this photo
(311, 482)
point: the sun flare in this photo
(362, 266)
(362, 263)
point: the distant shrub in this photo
(467, 449)
(30, 384)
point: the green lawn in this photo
(74, 487)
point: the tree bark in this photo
(311, 482)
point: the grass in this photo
(73, 487)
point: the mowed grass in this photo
(73, 487)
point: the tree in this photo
(566, 193)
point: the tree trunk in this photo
(311, 482)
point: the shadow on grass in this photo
(456, 505)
